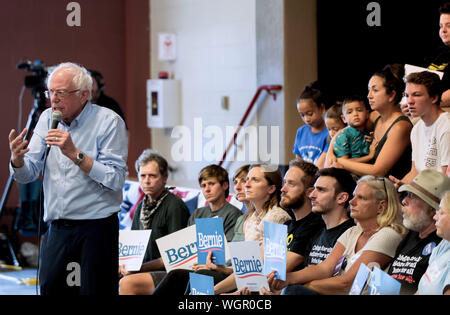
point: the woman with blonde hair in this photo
(376, 209)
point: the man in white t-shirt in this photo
(430, 137)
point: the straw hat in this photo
(429, 185)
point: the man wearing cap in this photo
(421, 200)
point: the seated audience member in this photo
(353, 141)
(430, 137)
(436, 279)
(298, 183)
(334, 120)
(419, 206)
(176, 282)
(391, 128)
(376, 209)
(160, 210)
(263, 190)
(440, 59)
(330, 199)
(239, 179)
(311, 140)
(214, 183)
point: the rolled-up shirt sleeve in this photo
(109, 167)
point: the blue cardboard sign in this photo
(275, 249)
(360, 280)
(383, 284)
(201, 284)
(210, 238)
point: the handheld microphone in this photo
(56, 118)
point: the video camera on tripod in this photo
(37, 81)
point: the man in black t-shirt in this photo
(420, 202)
(298, 183)
(330, 198)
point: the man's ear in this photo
(308, 191)
(84, 96)
(434, 99)
(342, 198)
(225, 185)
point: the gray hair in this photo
(149, 155)
(81, 77)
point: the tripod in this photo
(33, 117)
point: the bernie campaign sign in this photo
(201, 284)
(275, 249)
(248, 265)
(210, 238)
(381, 283)
(360, 282)
(179, 249)
(132, 247)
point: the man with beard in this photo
(330, 198)
(421, 200)
(298, 183)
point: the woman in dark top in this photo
(391, 128)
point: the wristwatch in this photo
(80, 158)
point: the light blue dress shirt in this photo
(436, 278)
(69, 193)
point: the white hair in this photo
(81, 77)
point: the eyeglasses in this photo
(409, 195)
(59, 93)
(384, 184)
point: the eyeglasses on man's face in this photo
(59, 93)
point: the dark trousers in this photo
(176, 282)
(297, 289)
(80, 257)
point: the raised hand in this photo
(18, 147)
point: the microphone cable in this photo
(56, 118)
(39, 226)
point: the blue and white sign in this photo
(201, 284)
(179, 249)
(275, 249)
(132, 247)
(248, 266)
(360, 280)
(383, 284)
(210, 238)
